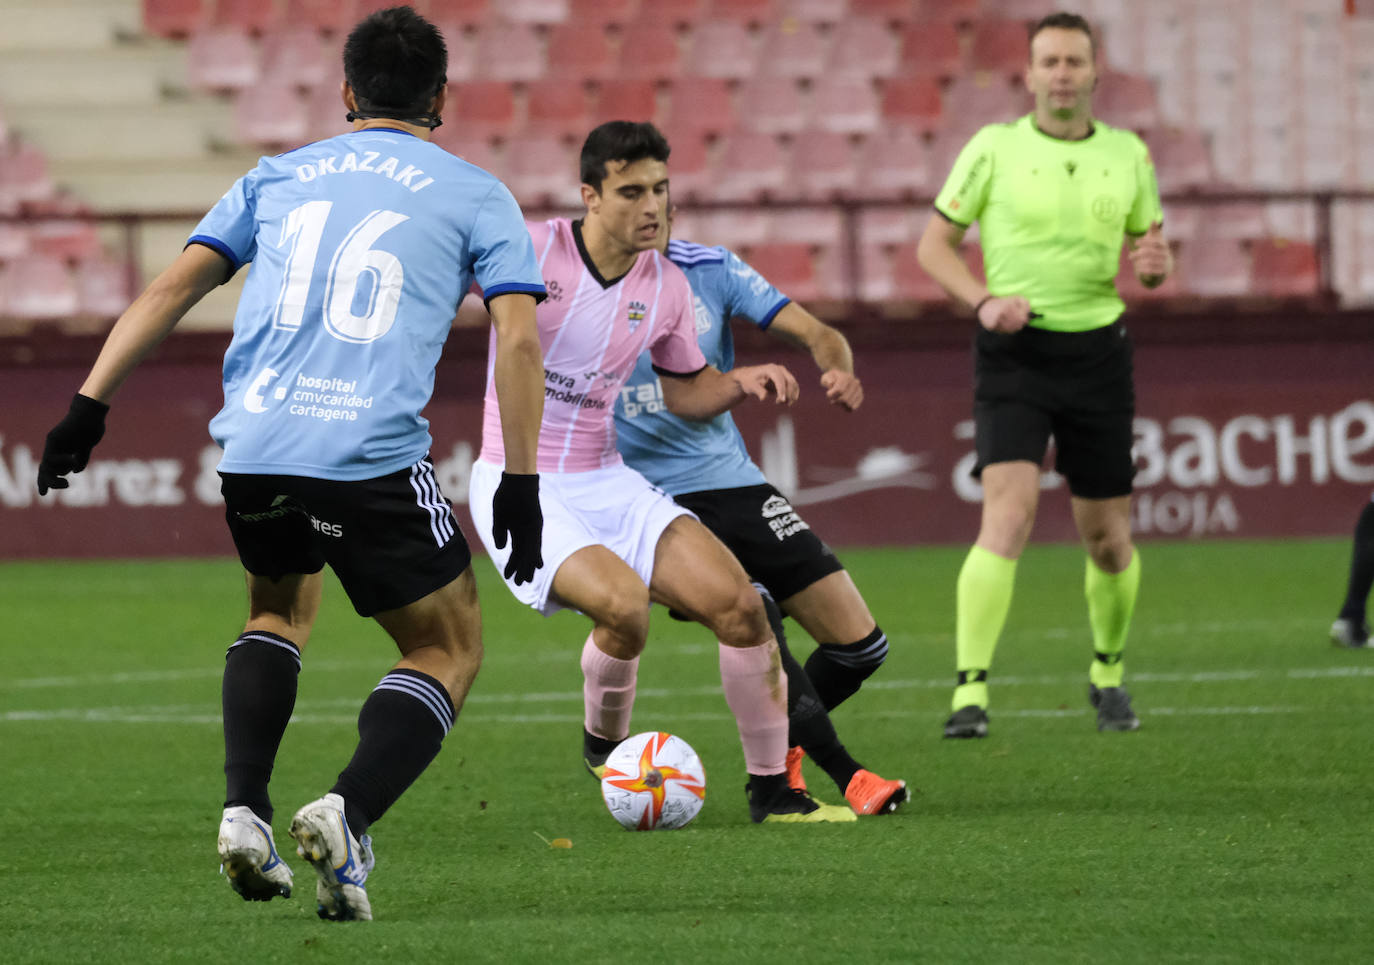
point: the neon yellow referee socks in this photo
(982, 600)
(1111, 603)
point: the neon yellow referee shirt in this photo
(1053, 214)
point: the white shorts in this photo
(615, 507)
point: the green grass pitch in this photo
(1235, 826)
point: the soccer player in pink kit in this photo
(612, 543)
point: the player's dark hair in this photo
(627, 141)
(396, 62)
(1064, 21)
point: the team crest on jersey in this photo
(636, 314)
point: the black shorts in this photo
(1076, 387)
(758, 524)
(390, 540)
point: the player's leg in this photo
(850, 644)
(1011, 492)
(597, 582)
(696, 575)
(1111, 583)
(1351, 628)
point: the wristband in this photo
(983, 301)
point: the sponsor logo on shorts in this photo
(782, 519)
(283, 506)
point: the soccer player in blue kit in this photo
(706, 468)
(362, 246)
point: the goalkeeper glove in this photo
(69, 444)
(515, 512)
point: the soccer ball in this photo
(653, 781)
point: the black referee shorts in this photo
(759, 525)
(1076, 387)
(390, 540)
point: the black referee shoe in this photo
(1113, 708)
(969, 721)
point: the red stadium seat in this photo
(752, 166)
(817, 11)
(1181, 158)
(961, 12)
(931, 49)
(329, 16)
(578, 52)
(1000, 46)
(894, 163)
(630, 100)
(325, 110)
(222, 59)
(649, 51)
(675, 13)
(1126, 100)
(823, 166)
(24, 178)
(174, 18)
(754, 13)
(789, 267)
(793, 49)
(848, 105)
(864, 47)
(701, 104)
(913, 103)
(541, 172)
(808, 226)
(887, 11)
(37, 286)
(911, 281)
(689, 167)
(1232, 222)
(462, 14)
(483, 109)
(971, 102)
(1215, 268)
(72, 239)
(296, 57)
(1283, 268)
(533, 11)
(721, 48)
(104, 286)
(603, 13)
(275, 118)
(773, 105)
(256, 16)
(455, 140)
(14, 240)
(507, 52)
(556, 108)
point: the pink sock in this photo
(608, 692)
(756, 690)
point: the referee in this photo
(1055, 193)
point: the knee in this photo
(741, 620)
(1110, 552)
(625, 616)
(1006, 528)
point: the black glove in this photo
(69, 445)
(515, 510)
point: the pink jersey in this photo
(591, 334)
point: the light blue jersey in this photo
(678, 455)
(361, 247)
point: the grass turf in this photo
(1234, 826)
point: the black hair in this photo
(396, 62)
(1064, 21)
(627, 141)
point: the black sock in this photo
(763, 787)
(400, 730)
(838, 670)
(257, 696)
(597, 749)
(808, 724)
(1361, 567)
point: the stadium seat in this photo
(971, 102)
(681, 14)
(603, 13)
(751, 13)
(626, 100)
(896, 225)
(1242, 221)
(848, 105)
(793, 49)
(259, 17)
(752, 166)
(556, 108)
(222, 59)
(104, 286)
(541, 12)
(24, 178)
(721, 48)
(864, 47)
(541, 172)
(1024, 11)
(823, 166)
(1216, 269)
(735, 229)
(295, 57)
(788, 266)
(507, 52)
(999, 47)
(913, 103)
(701, 104)
(325, 110)
(911, 281)
(931, 49)
(961, 12)
(893, 163)
(689, 167)
(579, 52)
(807, 226)
(1283, 268)
(461, 14)
(484, 109)
(886, 11)
(772, 105)
(174, 18)
(1126, 100)
(649, 51)
(14, 241)
(817, 11)
(327, 16)
(276, 118)
(1182, 161)
(473, 150)
(36, 286)
(72, 238)
(875, 281)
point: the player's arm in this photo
(1150, 256)
(518, 371)
(708, 392)
(829, 349)
(144, 324)
(938, 253)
